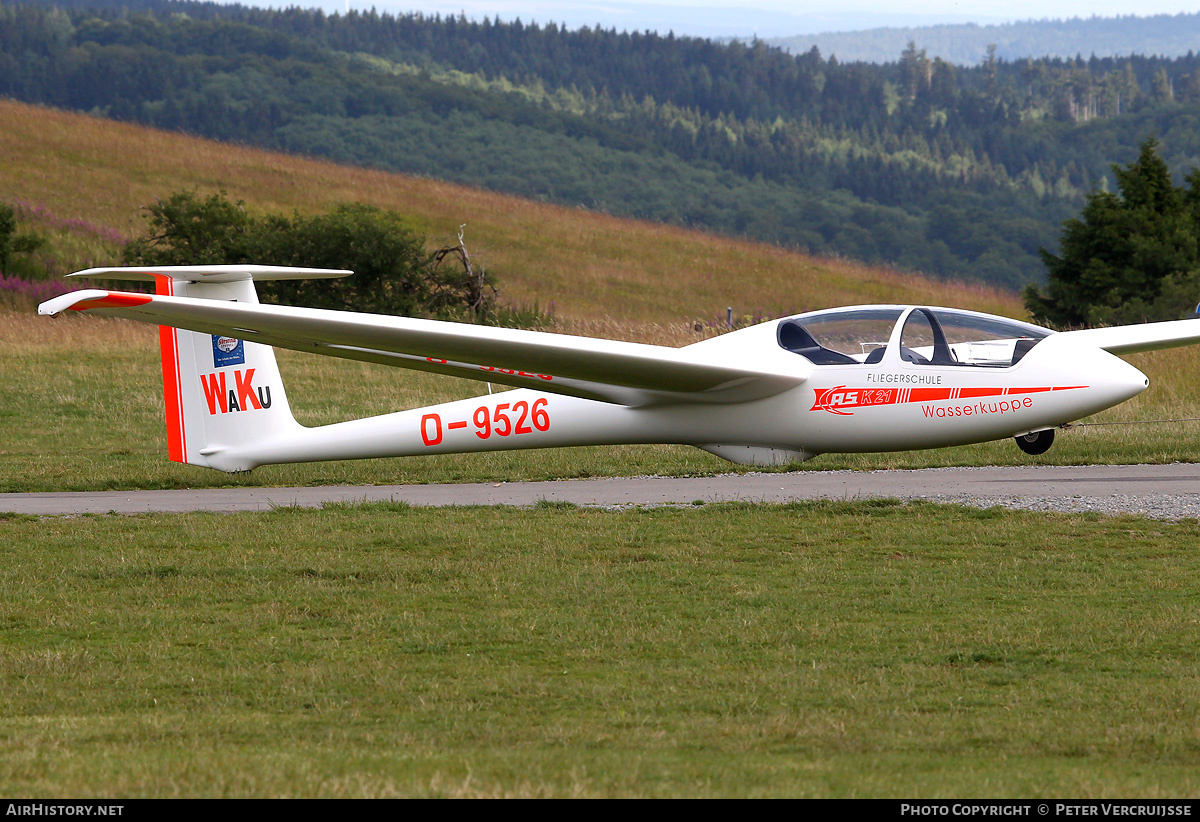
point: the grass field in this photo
(871, 649)
(728, 650)
(82, 410)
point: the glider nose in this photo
(1092, 379)
(1122, 381)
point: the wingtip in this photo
(59, 304)
(90, 298)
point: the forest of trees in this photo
(958, 172)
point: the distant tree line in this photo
(1169, 35)
(958, 172)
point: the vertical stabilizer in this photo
(220, 392)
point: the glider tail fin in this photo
(221, 394)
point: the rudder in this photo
(220, 393)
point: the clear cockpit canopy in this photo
(931, 336)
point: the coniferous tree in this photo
(1131, 256)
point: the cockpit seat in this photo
(1022, 347)
(795, 338)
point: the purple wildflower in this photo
(32, 211)
(36, 290)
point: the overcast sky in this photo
(768, 18)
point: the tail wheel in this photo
(1038, 442)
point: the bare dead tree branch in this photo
(474, 278)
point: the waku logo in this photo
(243, 396)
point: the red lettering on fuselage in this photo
(840, 400)
(245, 390)
(214, 391)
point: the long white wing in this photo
(607, 370)
(1130, 339)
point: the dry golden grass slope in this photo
(588, 265)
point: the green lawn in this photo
(872, 649)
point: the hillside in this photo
(961, 173)
(87, 176)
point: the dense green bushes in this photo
(393, 271)
(8, 227)
(16, 246)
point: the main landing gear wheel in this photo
(1038, 442)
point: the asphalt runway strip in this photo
(1106, 488)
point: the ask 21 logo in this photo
(837, 400)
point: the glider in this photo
(855, 379)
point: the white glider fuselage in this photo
(859, 379)
(891, 405)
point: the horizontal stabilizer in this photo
(212, 273)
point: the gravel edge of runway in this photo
(1173, 507)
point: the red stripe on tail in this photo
(168, 343)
